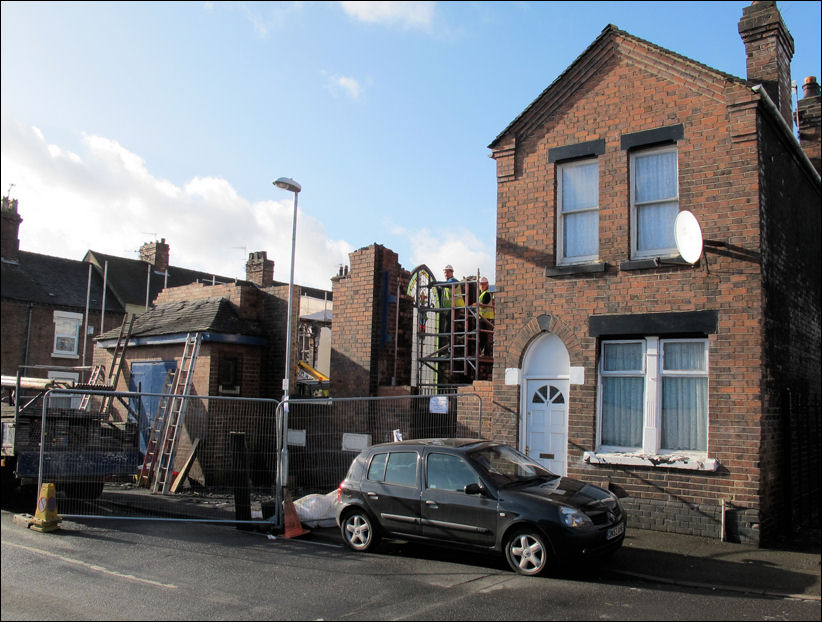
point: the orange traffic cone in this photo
(45, 518)
(293, 526)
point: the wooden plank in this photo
(186, 467)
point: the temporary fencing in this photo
(209, 458)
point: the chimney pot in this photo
(811, 87)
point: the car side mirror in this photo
(474, 489)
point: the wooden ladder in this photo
(176, 413)
(117, 362)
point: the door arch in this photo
(546, 373)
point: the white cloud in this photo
(107, 199)
(418, 15)
(346, 85)
(458, 247)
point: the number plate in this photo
(615, 532)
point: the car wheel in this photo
(358, 531)
(527, 552)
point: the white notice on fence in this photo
(438, 404)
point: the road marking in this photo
(94, 567)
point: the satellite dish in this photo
(688, 236)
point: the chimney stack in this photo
(769, 49)
(809, 113)
(10, 235)
(155, 253)
(259, 269)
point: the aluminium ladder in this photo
(176, 414)
(94, 379)
(158, 430)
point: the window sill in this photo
(580, 268)
(64, 355)
(671, 461)
(653, 262)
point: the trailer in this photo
(80, 448)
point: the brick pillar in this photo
(259, 269)
(769, 49)
(10, 229)
(809, 112)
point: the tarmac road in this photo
(126, 569)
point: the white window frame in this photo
(561, 258)
(632, 373)
(651, 453)
(77, 318)
(654, 252)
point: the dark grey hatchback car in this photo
(480, 494)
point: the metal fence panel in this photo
(221, 462)
(324, 436)
(233, 460)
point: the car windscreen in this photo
(506, 466)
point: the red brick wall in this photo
(40, 334)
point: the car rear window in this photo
(377, 468)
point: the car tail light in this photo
(339, 491)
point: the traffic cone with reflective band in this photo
(293, 526)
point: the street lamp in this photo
(289, 184)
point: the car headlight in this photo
(572, 517)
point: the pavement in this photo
(791, 570)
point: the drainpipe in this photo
(722, 528)
(85, 320)
(396, 336)
(148, 284)
(28, 339)
(103, 304)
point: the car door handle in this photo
(372, 495)
(433, 504)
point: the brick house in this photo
(44, 302)
(692, 388)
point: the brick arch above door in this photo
(535, 327)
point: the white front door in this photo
(546, 423)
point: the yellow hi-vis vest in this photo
(446, 294)
(485, 299)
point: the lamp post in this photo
(282, 444)
(292, 186)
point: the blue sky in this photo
(128, 122)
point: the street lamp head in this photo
(286, 183)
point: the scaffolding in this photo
(449, 332)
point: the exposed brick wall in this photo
(637, 88)
(363, 353)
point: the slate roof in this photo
(216, 315)
(44, 279)
(128, 278)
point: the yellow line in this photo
(93, 566)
